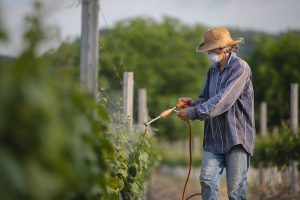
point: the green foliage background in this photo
(275, 65)
(162, 57)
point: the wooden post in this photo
(263, 131)
(294, 108)
(294, 129)
(142, 118)
(89, 50)
(263, 119)
(128, 97)
(142, 106)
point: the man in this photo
(226, 104)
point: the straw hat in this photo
(217, 38)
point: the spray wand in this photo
(180, 104)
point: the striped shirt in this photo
(226, 103)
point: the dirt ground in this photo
(162, 186)
(168, 186)
(167, 183)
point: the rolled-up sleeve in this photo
(226, 96)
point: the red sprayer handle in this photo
(181, 104)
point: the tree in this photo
(163, 58)
(275, 66)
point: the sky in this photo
(272, 16)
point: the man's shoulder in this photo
(239, 63)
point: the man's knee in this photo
(205, 181)
(208, 178)
(207, 175)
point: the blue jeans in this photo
(236, 162)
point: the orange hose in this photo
(190, 165)
(164, 114)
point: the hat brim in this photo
(207, 47)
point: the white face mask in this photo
(213, 57)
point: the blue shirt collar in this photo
(232, 57)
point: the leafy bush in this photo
(135, 154)
(51, 145)
(54, 136)
(277, 149)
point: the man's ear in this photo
(223, 54)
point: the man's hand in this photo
(183, 114)
(189, 101)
